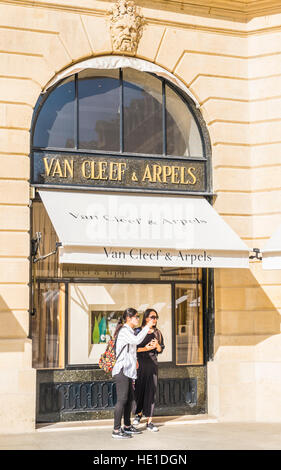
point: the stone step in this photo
(108, 423)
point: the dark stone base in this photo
(80, 395)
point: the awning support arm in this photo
(257, 255)
(35, 248)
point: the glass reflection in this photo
(189, 324)
(183, 137)
(99, 110)
(55, 123)
(143, 131)
(48, 326)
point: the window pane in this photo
(183, 137)
(41, 223)
(142, 113)
(99, 110)
(48, 326)
(55, 123)
(189, 324)
(94, 310)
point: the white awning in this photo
(142, 230)
(271, 254)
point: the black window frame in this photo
(195, 113)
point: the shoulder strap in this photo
(122, 350)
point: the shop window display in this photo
(91, 322)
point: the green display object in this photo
(99, 320)
(102, 329)
(96, 332)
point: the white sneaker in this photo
(152, 427)
(120, 434)
(136, 421)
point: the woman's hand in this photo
(156, 345)
(150, 346)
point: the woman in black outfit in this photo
(147, 373)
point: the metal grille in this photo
(55, 399)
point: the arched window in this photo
(118, 111)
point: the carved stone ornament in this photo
(126, 26)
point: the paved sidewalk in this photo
(175, 433)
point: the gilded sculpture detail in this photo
(126, 26)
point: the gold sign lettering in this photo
(85, 169)
(147, 174)
(157, 170)
(175, 174)
(47, 165)
(134, 172)
(57, 168)
(167, 171)
(194, 179)
(121, 170)
(182, 175)
(134, 176)
(68, 169)
(102, 168)
(169, 174)
(113, 171)
(94, 175)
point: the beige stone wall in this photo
(233, 69)
(244, 379)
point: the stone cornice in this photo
(236, 10)
(73, 7)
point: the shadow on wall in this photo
(247, 306)
(10, 328)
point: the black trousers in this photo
(125, 398)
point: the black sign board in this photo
(126, 172)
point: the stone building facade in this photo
(227, 54)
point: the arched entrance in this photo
(116, 132)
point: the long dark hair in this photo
(156, 331)
(146, 315)
(129, 312)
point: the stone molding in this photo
(228, 9)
